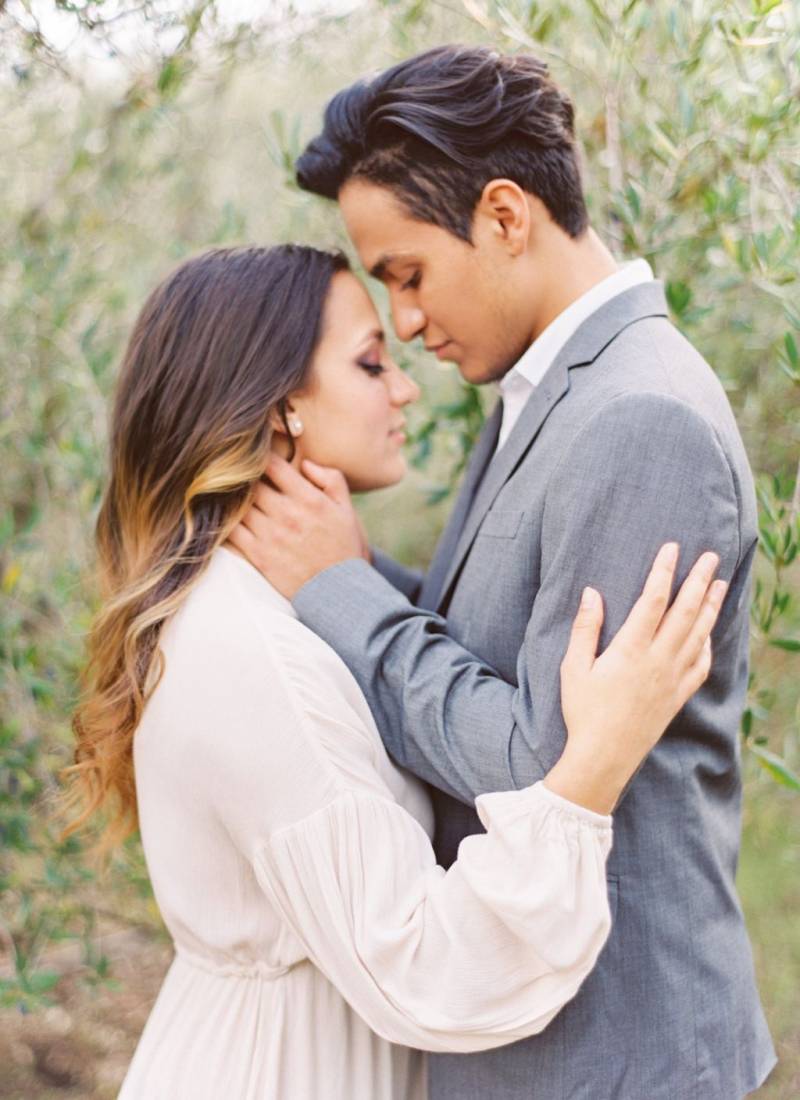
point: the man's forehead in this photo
(378, 225)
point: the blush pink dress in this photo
(319, 949)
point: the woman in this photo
(316, 940)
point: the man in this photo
(457, 177)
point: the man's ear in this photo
(505, 207)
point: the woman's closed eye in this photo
(372, 367)
(413, 282)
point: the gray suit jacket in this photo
(627, 442)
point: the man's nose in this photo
(409, 321)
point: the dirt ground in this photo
(81, 1046)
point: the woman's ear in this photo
(284, 420)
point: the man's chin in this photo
(478, 373)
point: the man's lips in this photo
(437, 349)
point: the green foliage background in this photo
(689, 114)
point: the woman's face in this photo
(352, 411)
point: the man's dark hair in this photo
(436, 128)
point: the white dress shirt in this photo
(518, 385)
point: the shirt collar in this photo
(534, 364)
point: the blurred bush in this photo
(155, 134)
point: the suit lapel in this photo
(480, 457)
(596, 332)
(536, 411)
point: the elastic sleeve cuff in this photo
(583, 813)
(570, 816)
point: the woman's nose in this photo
(404, 389)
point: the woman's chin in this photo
(368, 482)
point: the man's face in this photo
(457, 297)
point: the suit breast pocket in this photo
(501, 523)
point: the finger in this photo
(330, 480)
(680, 619)
(266, 499)
(267, 507)
(705, 622)
(290, 481)
(643, 620)
(254, 521)
(697, 674)
(243, 539)
(585, 635)
(274, 515)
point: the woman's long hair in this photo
(216, 350)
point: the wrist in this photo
(588, 781)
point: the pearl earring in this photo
(296, 426)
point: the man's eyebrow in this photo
(378, 270)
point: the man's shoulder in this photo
(648, 369)
(652, 355)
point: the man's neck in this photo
(580, 264)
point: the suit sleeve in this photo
(645, 469)
(405, 580)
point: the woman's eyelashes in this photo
(372, 367)
(412, 283)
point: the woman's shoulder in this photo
(236, 637)
(216, 626)
(251, 700)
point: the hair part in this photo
(217, 348)
(437, 128)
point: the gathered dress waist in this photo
(257, 969)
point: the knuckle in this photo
(688, 611)
(658, 603)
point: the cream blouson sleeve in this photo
(462, 960)
(292, 863)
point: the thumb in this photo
(585, 636)
(327, 478)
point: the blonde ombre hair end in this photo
(216, 351)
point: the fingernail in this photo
(670, 552)
(712, 562)
(588, 599)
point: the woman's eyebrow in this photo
(374, 334)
